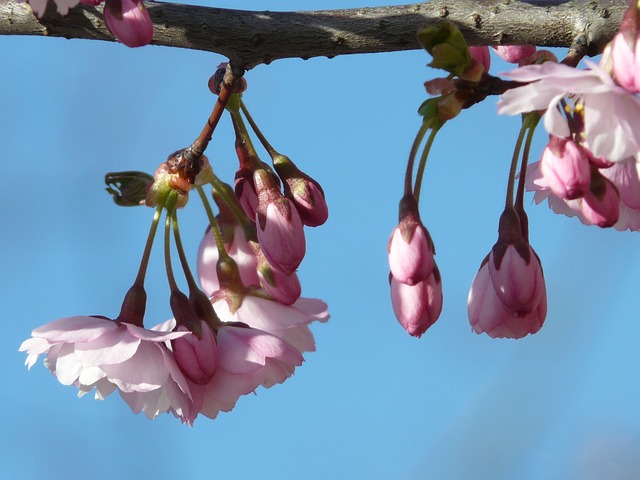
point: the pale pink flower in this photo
(625, 176)
(514, 53)
(246, 358)
(418, 306)
(39, 6)
(566, 168)
(629, 213)
(239, 249)
(129, 22)
(96, 353)
(288, 322)
(488, 314)
(611, 113)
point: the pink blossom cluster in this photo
(128, 20)
(246, 326)
(165, 369)
(589, 168)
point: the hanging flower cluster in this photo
(589, 169)
(244, 326)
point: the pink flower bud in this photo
(285, 288)
(247, 196)
(279, 227)
(411, 251)
(488, 314)
(601, 203)
(307, 194)
(418, 306)
(515, 53)
(565, 168)
(517, 278)
(514, 268)
(196, 357)
(625, 58)
(129, 22)
(482, 56)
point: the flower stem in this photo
(215, 228)
(514, 163)
(408, 176)
(144, 263)
(242, 135)
(423, 163)
(171, 207)
(183, 258)
(265, 143)
(531, 120)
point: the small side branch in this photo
(249, 38)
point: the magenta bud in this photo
(285, 288)
(565, 167)
(129, 22)
(196, 357)
(601, 203)
(411, 250)
(515, 53)
(307, 194)
(418, 306)
(279, 227)
(482, 56)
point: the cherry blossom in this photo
(96, 353)
(623, 175)
(611, 113)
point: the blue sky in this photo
(372, 402)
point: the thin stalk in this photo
(144, 263)
(215, 228)
(423, 163)
(532, 121)
(183, 258)
(408, 176)
(265, 143)
(232, 202)
(514, 164)
(243, 134)
(171, 203)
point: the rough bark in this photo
(249, 38)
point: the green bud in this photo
(128, 188)
(447, 46)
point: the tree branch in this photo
(250, 38)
